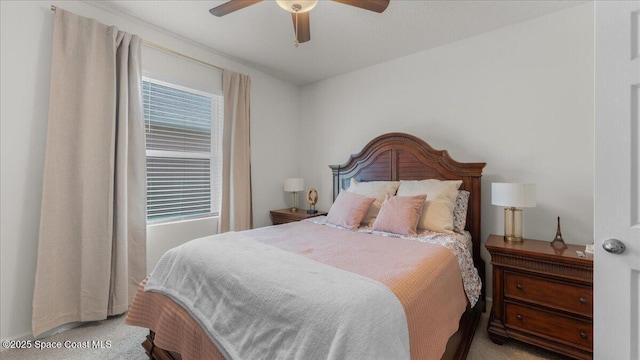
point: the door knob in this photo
(613, 246)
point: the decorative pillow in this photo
(400, 214)
(460, 211)
(375, 189)
(437, 213)
(349, 209)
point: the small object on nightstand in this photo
(312, 199)
(558, 242)
(589, 249)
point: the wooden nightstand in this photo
(283, 216)
(542, 297)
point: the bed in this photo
(389, 157)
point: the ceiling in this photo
(343, 38)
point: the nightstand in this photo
(284, 216)
(542, 297)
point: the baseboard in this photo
(61, 328)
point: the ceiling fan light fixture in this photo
(297, 6)
(299, 10)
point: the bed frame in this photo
(397, 156)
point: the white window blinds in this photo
(183, 129)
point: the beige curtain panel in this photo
(92, 246)
(236, 212)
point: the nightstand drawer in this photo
(277, 220)
(550, 325)
(563, 296)
(284, 216)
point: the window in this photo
(183, 136)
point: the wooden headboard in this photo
(398, 156)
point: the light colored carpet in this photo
(125, 343)
(126, 340)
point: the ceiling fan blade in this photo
(304, 31)
(373, 5)
(231, 6)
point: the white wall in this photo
(26, 54)
(519, 98)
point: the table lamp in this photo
(514, 197)
(294, 185)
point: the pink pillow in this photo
(349, 209)
(400, 214)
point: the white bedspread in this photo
(229, 283)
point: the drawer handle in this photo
(583, 300)
(519, 317)
(519, 286)
(583, 335)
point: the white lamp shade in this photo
(293, 184)
(513, 195)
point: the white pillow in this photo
(437, 213)
(374, 189)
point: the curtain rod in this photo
(170, 51)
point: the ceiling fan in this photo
(299, 10)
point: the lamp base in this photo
(513, 224)
(513, 238)
(294, 201)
